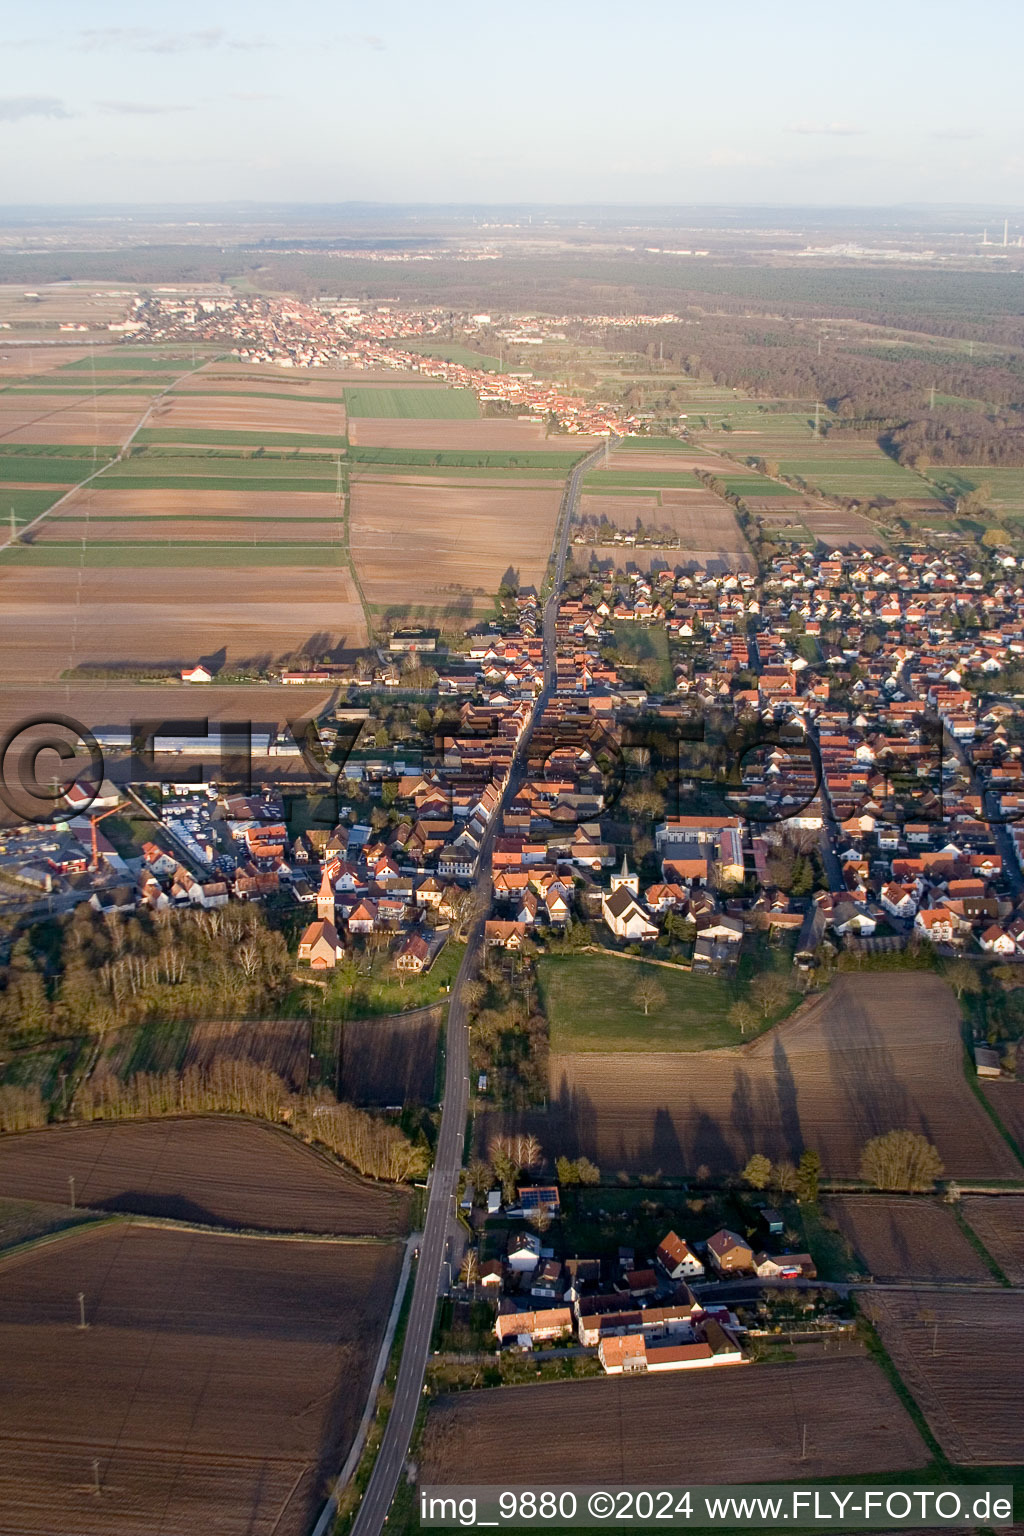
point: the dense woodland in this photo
(873, 388)
(86, 973)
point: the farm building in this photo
(531, 1327)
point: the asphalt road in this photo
(427, 1286)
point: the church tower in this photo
(325, 900)
(626, 880)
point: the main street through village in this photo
(427, 1284)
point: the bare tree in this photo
(649, 994)
(900, 1160)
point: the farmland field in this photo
(217, 1385)
(98, 703)
(907, 1239)
(597, 480)
(101, 499)
(873, 1054)
(1007, 1099)
(452, 352)
(839, 530)
(1006, 485)
(190, 529)
(591, 1005)
(253, 414)
(173, 614)
(390, 1060)
(438, 547)
(856, 1423)
(218, 1172)
(843, 471)
(999, 1222)
(439, 404)
(461, 433)
(280, 1045)
(959, 1354)
(74, 419)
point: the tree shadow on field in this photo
(742, 1114)
(709, 1146)
(866, 1095)
(137, 1202)
(666, 1148)
(786, 1095)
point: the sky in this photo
(564, 101)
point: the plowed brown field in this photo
(107, 500)
(391, 1061)
(999, 1222)
(434, 545)
(216, 1386)
(218, 1172)
(70, 419)
(527, 436)
(873, 1054)
(58, 617)
(908, 1239)
(960, 1354)
(1007, 1099)
(235, 414)
(629, 1431)
(281, 1045)
(154, 530)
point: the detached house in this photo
(730, 1254)
(677, 1259)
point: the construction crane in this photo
(94, 822)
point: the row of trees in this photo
(800, 1179)
(375, 1147)
(898, 1160)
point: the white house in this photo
(677, 1259)
(523, 1252)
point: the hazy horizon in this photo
(213, 103)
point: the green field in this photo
(153, 470)
(165, 435)
(230, 480)
(590, 1004)
(862, 478)
(639, 479)
(45, 471)
(754, 485)
(407, 404)
(466, 458)
(122, 361)
(46, 451)
(97, 556)
(25, 504)
(636, 643)
(1006, 485)
(452, 352)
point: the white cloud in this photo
(141, 108)
(837, 130)
(14, 108)
(148, 40)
